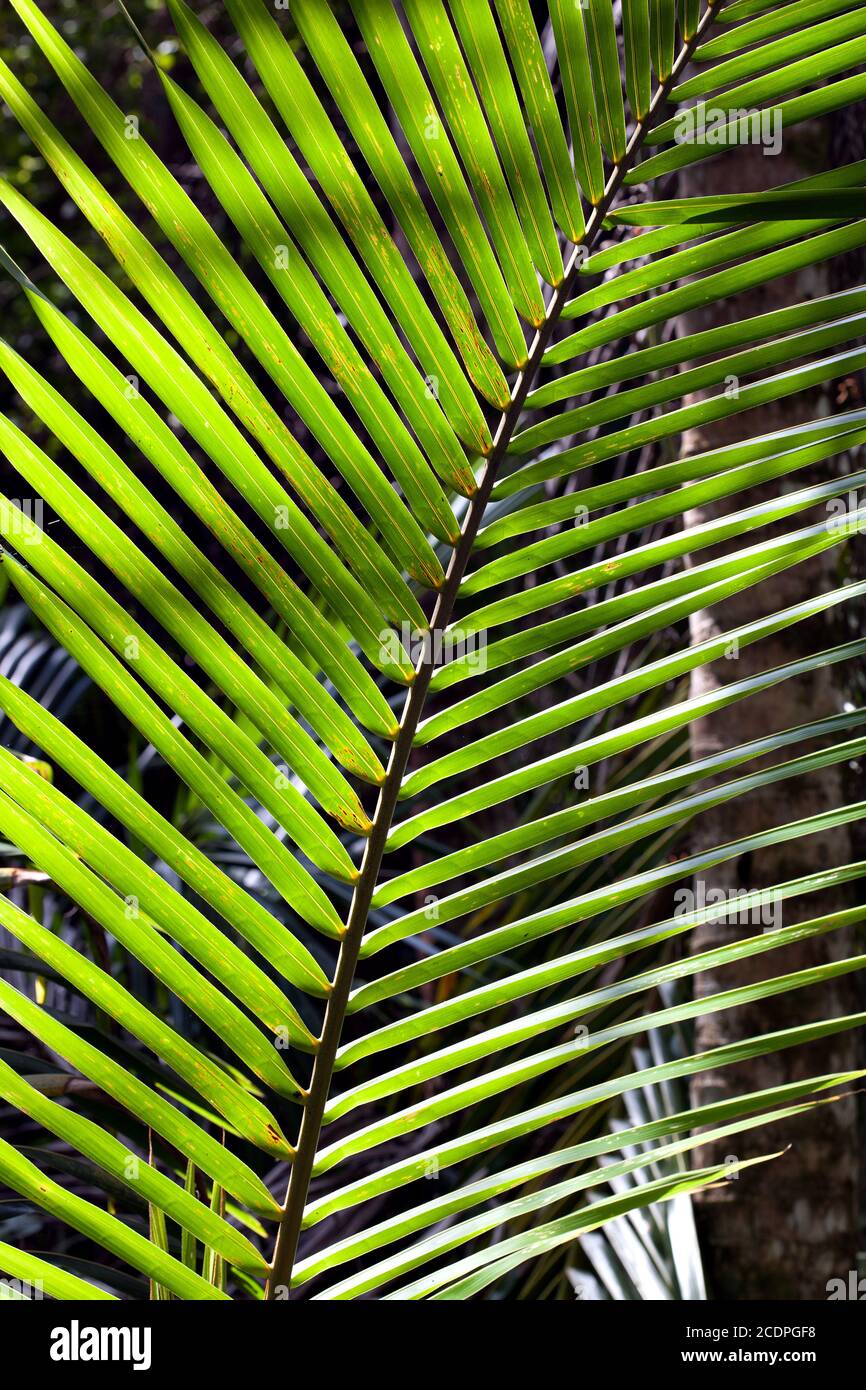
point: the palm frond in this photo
(375, 454)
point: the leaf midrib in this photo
(320, 1084)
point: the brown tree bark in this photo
(783, 1229)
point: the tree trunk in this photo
(783, 1229)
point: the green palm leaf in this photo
(349, 454)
